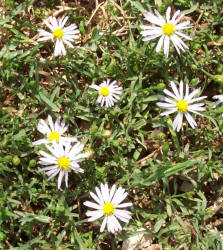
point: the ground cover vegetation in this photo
(169, 171)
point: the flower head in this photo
(62, 160)
(108, 93)
(220, 100)
(182, 104)
(89, 153)
(53, 132)
(108, 204)
(59, 34)
(169, 29)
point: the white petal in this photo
(70, 38)
(183, 35)
(168, 112)
(57, 124)
(75, 167)
(175, 90)
(48, 156)
(180, 122)
(181, 89)
(166, 46)
(51, 171)
(98, 191)
(153, 19)
(42, 127)
(114, 224)
(62, 22)
(179, 42)
(168, 14)
(92, 205)
(158, 31)
(217, 103)
(177, 123)
(179, 18)
(147, 27)
(53, 21)
(183, 25)
(187, 92)
(110, 225)
(220, 97)
(48, 168)
(49, 25)
(52, 150)
(160, 17)
(68, 43)
(174, 17)
(41, 141)
(194, 111)
(167, 92)
(160, 43)
(148, 38)
(166, 99)
(43, 32)
(94, 213)
(197, 99)
(51, 123)
(57, 49)
(94, 86)
(191, 95)
(95, 197)
(197, 105)
(127, 204)
(63, 50)
(70, 27)
(122, 218)
(103, 224)
(104, 192)
(61, 175)
(54, 174)
(62, 130)
(103, 101)
(191, 120)
(44, 38)
(123, 213)
(66, 178)
(77, 148)
(79, 157)
(175, 43)
(112, 191)
(119, 197)
(98, 215)
(165, 105)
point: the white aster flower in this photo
(62, 160)
(108, 93)
(220, 100)
(53, 132)
(169, 29)
(108, 204)
(60, 34)
(182, 104)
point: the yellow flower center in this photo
(58, 33)
(64, 162)
(182, 106)
(54, 136)
(104, 91)
(168, 29)
(108, 208)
